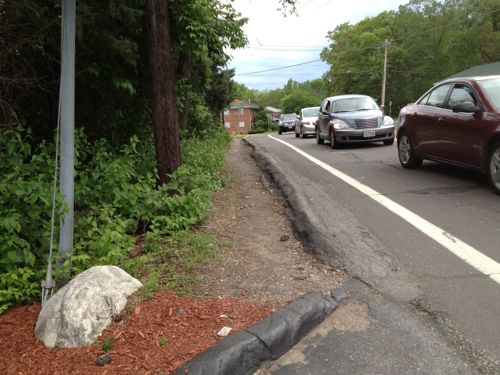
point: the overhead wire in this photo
(375, 46)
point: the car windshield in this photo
(354, 104)
(288, 117)
(491, 88)
(310, 112)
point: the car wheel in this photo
(494, 168)
(389, 142)
(319, 140)
(333, 142)
(302, 133)
(280, 131)
(406, 154)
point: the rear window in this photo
(310, 112)
(288, 117)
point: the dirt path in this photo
(260, 257)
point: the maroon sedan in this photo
(456, 122)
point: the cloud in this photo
(277, 41)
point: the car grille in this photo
(366, 123)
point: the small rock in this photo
(300, 268)
(103, 360)
(284, 238)
(180, 311)
(298, 276)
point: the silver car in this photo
(306, 122)
(353, 119)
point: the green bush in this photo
(263, 124)
(116, 196)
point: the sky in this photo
(275, 41)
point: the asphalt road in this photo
(391, 255)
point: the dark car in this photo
(458, 122)
(286, 122)
(353, 119)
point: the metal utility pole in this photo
(384, 77)
(67, 103)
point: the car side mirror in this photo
(465, 106)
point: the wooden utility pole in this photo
(165, 113)
(384, 77)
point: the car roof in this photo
(348, 96)
(467, 79)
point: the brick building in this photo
(239, 117)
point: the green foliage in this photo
(107, 344)
(116, 197)
(162, 341)
(263, 123)
(297, 99)
(18, 285)
(294, 95)
(112, 70)
(25, 204)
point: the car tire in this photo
(302, 133)
(388, 142)
(407, 156)
(280, 131)
(333, 142)
(493, 167)
(319, 140)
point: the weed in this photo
(107, 345)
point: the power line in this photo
(278, 49)
(286, 46)
(279, 68)
(322, 5)
(375, 46)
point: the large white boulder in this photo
(78, 313)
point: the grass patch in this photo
(173, 262)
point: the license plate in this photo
(368, 133)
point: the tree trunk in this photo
(165, 114)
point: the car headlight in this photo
(340, 124)
(388, 121)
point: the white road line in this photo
(467, 253)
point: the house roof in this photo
(241, 104)
(492, 69)
(272, 109)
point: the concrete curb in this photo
(304, 222)
(244, 351)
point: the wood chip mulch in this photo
(157, 337)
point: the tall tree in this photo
(165, 115)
